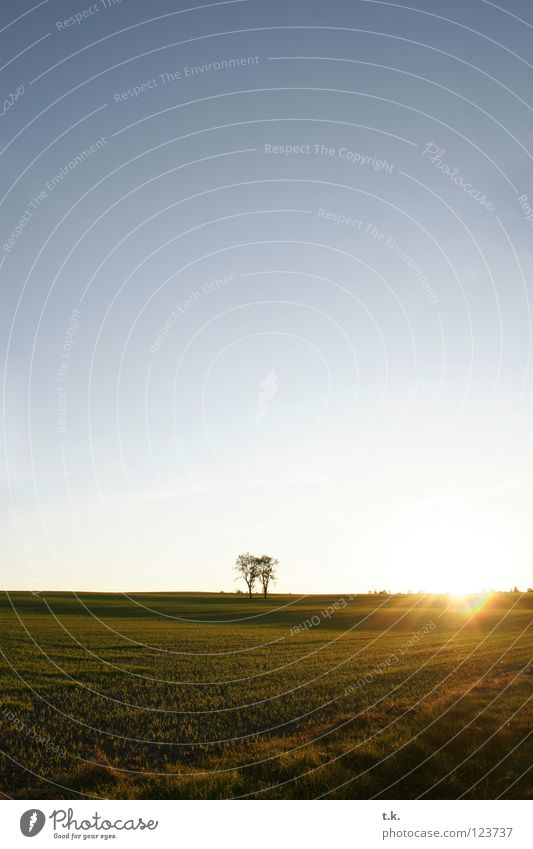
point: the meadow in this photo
(192, 695)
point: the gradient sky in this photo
(201, 355)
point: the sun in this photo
(449, 555)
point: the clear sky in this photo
(265, 279)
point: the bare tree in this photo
(247, 567)
(267, 571)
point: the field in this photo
(215, 696)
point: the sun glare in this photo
(450, 556)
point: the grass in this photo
(213, 696)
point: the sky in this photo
(265, 286)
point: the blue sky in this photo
(275, 299)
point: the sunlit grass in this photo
(225, 697)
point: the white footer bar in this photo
(268, 824)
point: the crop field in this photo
(218, 696)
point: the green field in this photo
(214, 696)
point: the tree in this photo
(247, 567)
(267, 571)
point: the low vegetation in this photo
(214, 696)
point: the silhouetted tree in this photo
(267, 571)
(247, 567)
